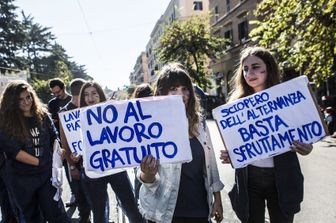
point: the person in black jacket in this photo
(277, 180)
(29, 134)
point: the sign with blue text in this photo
(70, 121)
(266, 123)
(118, 134)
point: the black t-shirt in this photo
(192, 195)
(39, 144)
(54, 106)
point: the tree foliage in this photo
(301, 32)
(27, 45)
(190, 43)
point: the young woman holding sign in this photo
(278, 180)
(96, 189)
(182, 192)
(27, 135)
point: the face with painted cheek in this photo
(181, 90)
(255, 73)
(25, 101)
(91, 96)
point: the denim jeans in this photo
(261, 188)
(98, 197)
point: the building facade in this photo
(140, 70)
(230, 19)
(176, 10)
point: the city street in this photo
(319, 170)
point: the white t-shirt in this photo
(265, 163)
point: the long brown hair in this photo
(94, 84)
(241, 88)
(12, 121)
(174, 75)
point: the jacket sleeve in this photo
(150, 186)
(216, 184)
(10, 146)
(52, 129)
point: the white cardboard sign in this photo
(70, 121)
(265, 124)
(118, 134)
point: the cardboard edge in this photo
(223, 142)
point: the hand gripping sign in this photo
(118, 134)
(266, 123)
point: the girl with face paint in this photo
(277, 180)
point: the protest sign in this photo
(70, 121)
(266, 123)
(118, 134)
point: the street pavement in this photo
(319, 169)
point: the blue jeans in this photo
(261, 188)
(96, 189)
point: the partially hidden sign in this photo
(266, 123)
(118, 134)
(70, 121)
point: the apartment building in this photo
(176, 10)
(230, 20)
(140, 70)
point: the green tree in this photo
(301, 32)
(10, 35)
(38, 42)
(190, 43)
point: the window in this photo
(228, 35)
(216, 11)
(228, 5)
(198, 6)
(216, 33)
(243, 31)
